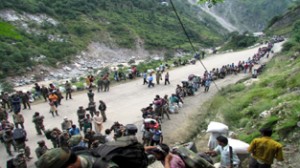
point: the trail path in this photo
(124, 101)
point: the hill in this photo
(249, 15)
(51, 31)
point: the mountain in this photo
(48, 32)
(249, 15)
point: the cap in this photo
(53, 158)
(65, 118)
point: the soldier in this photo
(58, 158)
(91, 108)
(158, 77)
(81, 115)
(54, 137)
(63, 139)
(20, 160)
(39, 123)
(102, 108)
(5, 100)
(100, 85)
(20, 144)
(106, 84)
(25, 99)
(3, 114)
(18, 120)
(16, 103)
(8, 140)
(68, 88)
(91, 95)
(66, 124)
(41, 149)
(45, 92)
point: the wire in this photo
(189, 39)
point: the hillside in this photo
(284, 24)
(249, 15)
(52, 31)
(272, 100)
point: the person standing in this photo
(38, 121)
(53, 109)
(207, 85)
(66, 124)
(53, 98)
(167, 78)
(59, 95)
(81, 114)
(98, 123)
(25, 99)
(264, 149)
(18, 120)
(150, 80)
(100, 85)
(145, 78)
(44, 92)
(102, 108)
(90, 95)
(37, 89)
(16, 103)
(8, 140)
(68, 90)
(41, 149)
(158, 77)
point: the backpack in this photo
(125, 152)
(19, 134)
(191, 159)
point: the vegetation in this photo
(117, 23)
(273, 101)
(239, 41)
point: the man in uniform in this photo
(5, 100)
(45, 92)
(38, 122)
(41, 149)
(18, 120)
(68, 90)
(63, 139)
(8, 140)
(91, 108)
(102, 108)
(100, 85)
(3, 114)
(91, 95)
(81, 114)
(61, 158)
(66, 124)
(20, 160)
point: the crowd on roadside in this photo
(84, 135)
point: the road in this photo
(125, 101)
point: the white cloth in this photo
(98, 120)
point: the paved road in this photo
(124, 101)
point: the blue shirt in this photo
(73, 131)
(225, 157)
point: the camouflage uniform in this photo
(92, 108)
(81, 116)
(91, 96)
(39, 151)
(57, 157)
(3, 114)
(20, 145)
(8, 141)
(38, 122)
(20, 160)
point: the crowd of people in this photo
(71, 138)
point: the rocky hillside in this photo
(284, 24)
(52, 32)
(249, 15)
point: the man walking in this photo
(38, 121)
(264, 150)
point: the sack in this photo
(191, 159)
(217, 127)
(238, 146)
(19, 134)
(125, 152)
